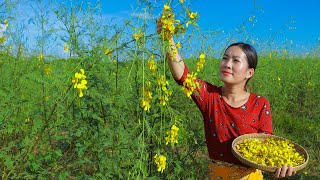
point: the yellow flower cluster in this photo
(172, 135)
(40, 57)
(270, 152)
(192, 18)
(79, 82)
(66, 48)
(152, 64)
(47, 69)
(190, 84)
(137, 35)
(6, 22)
(2, 39)
(147, 97)
(257, 175)
(201, 62)
(161, 162)
(285, 52)
(108, 52)
(174, 50)
(164, 98)
(168, 22)
(178, 45)
(27, 120)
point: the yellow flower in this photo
(175, 128)
(27, 120)
(40, 57)
(172, 135)
(178, 45)
(285, 52)
(66, 48)
(173, 52)
(202, 56)
(168, 23)
(163, 100)
(166, 93)
(82, 86)
(160, 161)
(83, 83)
(181, 1)
(166, 7)
(152, 64)
(270, 55)
(148, 94)
(192, 18)
(270, 152)
(187, 92)
(148, 84)
(108, 52)
(147, 97)
(6, 23)
(190, 84)
(47, 70)
(2, 39)
(199, 66)
(255, 175)
(180, 29)
(82, 71)
(193, 15)
(137, 35)
(79, 82)
(145, 104)
(201, 62)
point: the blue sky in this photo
(286, 22)
(301, 16)
(293, 21)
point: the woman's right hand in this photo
(159, 29)
(176, 64)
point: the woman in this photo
(230, 110)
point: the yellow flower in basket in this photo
(268, 152)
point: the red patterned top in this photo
(223, 123)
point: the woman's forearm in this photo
(175, 61)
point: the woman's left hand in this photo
(284, 172)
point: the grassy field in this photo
(107, 106)
(49, 132)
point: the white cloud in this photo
(143, 15)
(3, 29)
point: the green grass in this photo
(48, 132)
(106, 134)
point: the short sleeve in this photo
(184, 76)
(201, 96)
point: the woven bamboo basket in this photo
(261, 136)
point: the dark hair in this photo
(250, 52)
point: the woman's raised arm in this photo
(175, 61)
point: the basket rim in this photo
(240, 139)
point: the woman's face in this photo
(234, 68)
